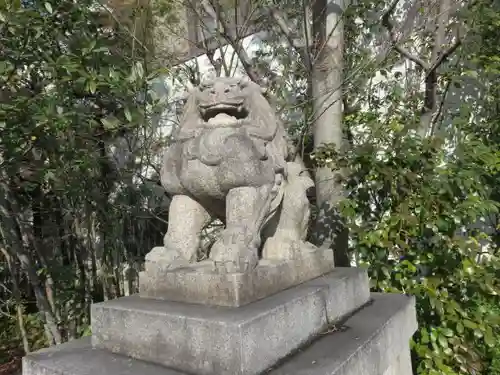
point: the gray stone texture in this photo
(78, 357)
(371, 344)
(231, 159)
(219, 340)
(401, 365)
(368, 346)
(204, 284)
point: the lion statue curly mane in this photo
(230, 159)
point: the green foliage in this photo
(418, 213)
(423, 213)
(74, 123)
(11, 340)
(61, 80)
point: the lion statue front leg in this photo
(246, 210)
(187, 218)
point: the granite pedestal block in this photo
(202, 283)
(215, 340)
(374, 341)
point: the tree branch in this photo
(387, 23)
(439, 113)
(282, 23)
(217, 64)
(300, 44)
(234, 43)
(444, 56)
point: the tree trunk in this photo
(17, 296)
(9, 211)
(327, 78)
(442, 17)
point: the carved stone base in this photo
(210, 340)
(374, 341)
(202, 283)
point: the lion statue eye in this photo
(205, 86)
(243, 82)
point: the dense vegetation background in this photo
(79, 140)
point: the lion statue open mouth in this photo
(230, 159)
(231, 112)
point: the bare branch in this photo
(439, 114)
(320, 42)
(444, 56)
(306, 11)
(282, 23)
(234, 43)
(387, 23)
(299, 43)
(208, 8)
(232, 62)
(120, 24)
(217, 64)
(227, 69)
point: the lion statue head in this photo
(229, 102)
(217, 114)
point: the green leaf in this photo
(469, 324)
(139, 69)
(5, 66)
(448, 352)
(100, 49)
(128, 115)
(48, 6)
(489, 338)
(110, 122)
(433, 335)
(424, 335)
(447, 332)
(91, 86)
(443, 341)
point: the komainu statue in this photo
(230, 159)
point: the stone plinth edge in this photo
(203, 284)
(374, 341)
(215, 340)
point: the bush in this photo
(416, 215)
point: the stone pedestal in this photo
(227, 341)
(329, 324)
(203, 283)
(374, 341)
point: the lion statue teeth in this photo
(230, 159)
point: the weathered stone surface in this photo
(368, 346)
(78, 357)
(401, 364)
(344, 290)
(203, 283)
(230, 159)
(220, 340)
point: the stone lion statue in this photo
(230, 159)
